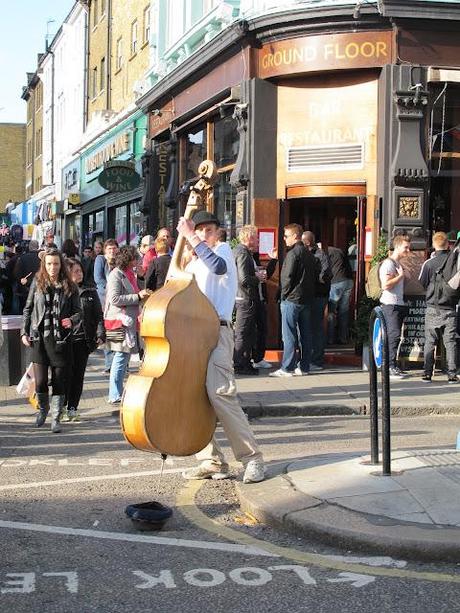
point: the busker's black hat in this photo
(202, 217)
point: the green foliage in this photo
(234, 242)
(360, 329)
(382, 249)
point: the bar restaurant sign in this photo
(119, 176)
(327, 52)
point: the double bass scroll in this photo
(165, 406)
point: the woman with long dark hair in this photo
(87, 335)
(122, 303)
(51, 311)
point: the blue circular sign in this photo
(377, 343)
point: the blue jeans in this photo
(296, 329)
(318, 339)
(117, 374)
(339, 306)
(108, 357)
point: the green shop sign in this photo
(119, 176)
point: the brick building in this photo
(12, 162)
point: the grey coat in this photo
(121, 299)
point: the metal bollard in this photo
(379, 357)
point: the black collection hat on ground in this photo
(202, 217)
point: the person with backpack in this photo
(441, 302)
(392, 276)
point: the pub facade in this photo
(343, 119)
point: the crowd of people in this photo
(73, 303)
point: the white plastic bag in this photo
(26, 386)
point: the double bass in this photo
(165, 406)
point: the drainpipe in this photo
(85, 72)
(108, 63)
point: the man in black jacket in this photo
(323, 287)
(24, 273)
(440, 314)
(298, 281)
(247, 297)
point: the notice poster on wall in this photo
(267, 241)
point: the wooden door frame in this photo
(326, 190)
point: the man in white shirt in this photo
(216, 276)
(392, 276)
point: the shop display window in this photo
(217, 140)
(121, 228)
(443, 145)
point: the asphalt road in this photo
(68, 546)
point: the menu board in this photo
(413, 343)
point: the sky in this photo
(23, 29)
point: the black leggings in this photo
(79, 362)
(58, 379)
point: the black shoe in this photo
(246, 371)
(452, 378)
(426, 378)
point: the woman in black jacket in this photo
(51, 311)
(86, 335)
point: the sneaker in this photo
(255, 472)
(426, 378)
(281, 373)
(452, 378)
(314, 367)
(71, 413)
(263, 364)
(397, 373)
(300, 373)
(65, 415)
(116, 401)
(206, 472)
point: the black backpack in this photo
(447, 279)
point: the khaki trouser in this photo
(221, 388)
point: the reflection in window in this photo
(121, 225)
(225, 203)
(135, 225)
(226, 142)
(196, 151)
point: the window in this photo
(94, 83)
(38, 97)
(196, 150)
(121, 227)
(218, 140)
(146, 24)
(94, 13)
(38, 184)
(102, 75)
(226, 141)
(119, 53)
(134, 37)
(29, 153)
(38, 142)
(102, 7)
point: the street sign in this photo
(119, 176)
(377, 343)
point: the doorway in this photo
(333, 220)
(336, 220)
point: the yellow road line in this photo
(186, 502)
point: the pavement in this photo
(338, 498)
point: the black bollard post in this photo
(386, 430)
(373, 399)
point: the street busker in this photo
(215, 273)
(52, 309)
(87, 335)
